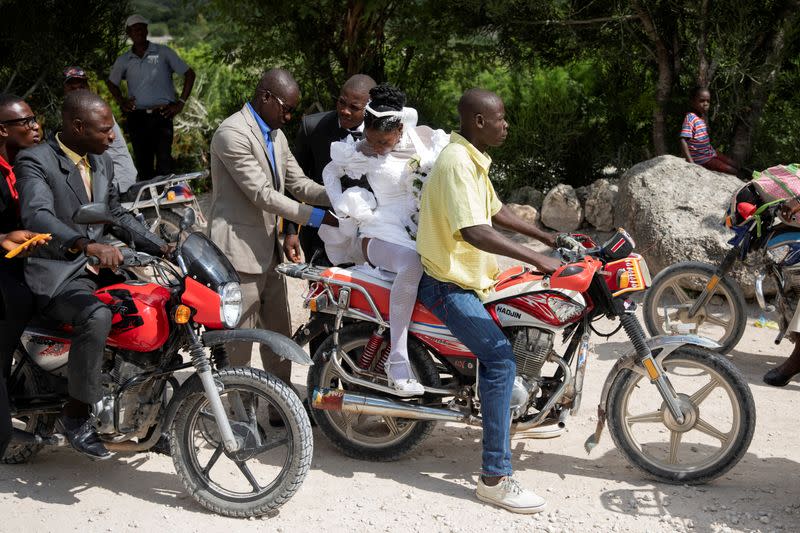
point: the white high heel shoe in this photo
(403, 386)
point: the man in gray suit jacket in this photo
(54, 179)
(251, 167)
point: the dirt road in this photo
(432, 489)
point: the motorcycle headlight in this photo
(230, 310)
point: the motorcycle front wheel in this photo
(719, 418)
(674, 291)
(271, 464)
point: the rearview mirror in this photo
(188, 220)
(95, 213)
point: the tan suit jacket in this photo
(248, 198)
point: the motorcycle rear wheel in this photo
(29, 384)
(233, 484)
(169, 227)
(722, 319)
(720, 418)
(374, 438)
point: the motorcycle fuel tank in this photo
(140, 322)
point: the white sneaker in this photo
(510, 496)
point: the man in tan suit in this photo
(251, 167)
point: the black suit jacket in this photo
(312, 147)
(51, 190)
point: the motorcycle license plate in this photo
(629, 274)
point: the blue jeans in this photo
(464, 314)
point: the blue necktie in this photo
(265, 130)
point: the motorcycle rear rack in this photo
(152, 195)
(328, 303)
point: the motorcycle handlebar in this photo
(130, 258)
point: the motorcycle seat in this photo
(130, 194)
(43, 325)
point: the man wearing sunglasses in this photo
(18, 130)
(312, 148)
(251, 169)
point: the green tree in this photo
(38, 38)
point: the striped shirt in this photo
(695, 131)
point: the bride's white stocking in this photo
(406, 264)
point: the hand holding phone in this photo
(19, 241)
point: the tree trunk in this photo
(759, 88)
(665, 77)
(703, 69)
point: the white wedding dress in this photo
(387, 216)
(389, 211)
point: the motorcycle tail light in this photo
(230, 304)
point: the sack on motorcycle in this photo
(781, 182)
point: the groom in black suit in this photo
(313, 151)
(54, 179)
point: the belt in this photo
(150, 110)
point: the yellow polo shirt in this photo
(458, 194)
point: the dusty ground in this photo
(432, 490)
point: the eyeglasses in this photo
(285, 109)
(27, 122)
(353, 108)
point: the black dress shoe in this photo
(83, 437)
(775, 378)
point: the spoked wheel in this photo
(370, 437)
(674, 291)
(27, 383)
(272, 462)
(719, 418)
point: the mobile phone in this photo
(36, 238)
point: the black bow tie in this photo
(357, 135)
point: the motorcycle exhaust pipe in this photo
(340, 400)
(21, 437)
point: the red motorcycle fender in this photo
(280, 344)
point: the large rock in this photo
(526, 212)
(674, 211)
(599, 205)
(526, 195)
(561, 209)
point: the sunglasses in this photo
(344, 104)
(285, 109)
(27, 122)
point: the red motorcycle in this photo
(239, 438)
(694, 423)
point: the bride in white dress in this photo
(378, 215)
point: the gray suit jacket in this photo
(50, 191)
(248, 198)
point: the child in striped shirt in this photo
(695, 142)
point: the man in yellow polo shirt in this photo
(457, 243)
